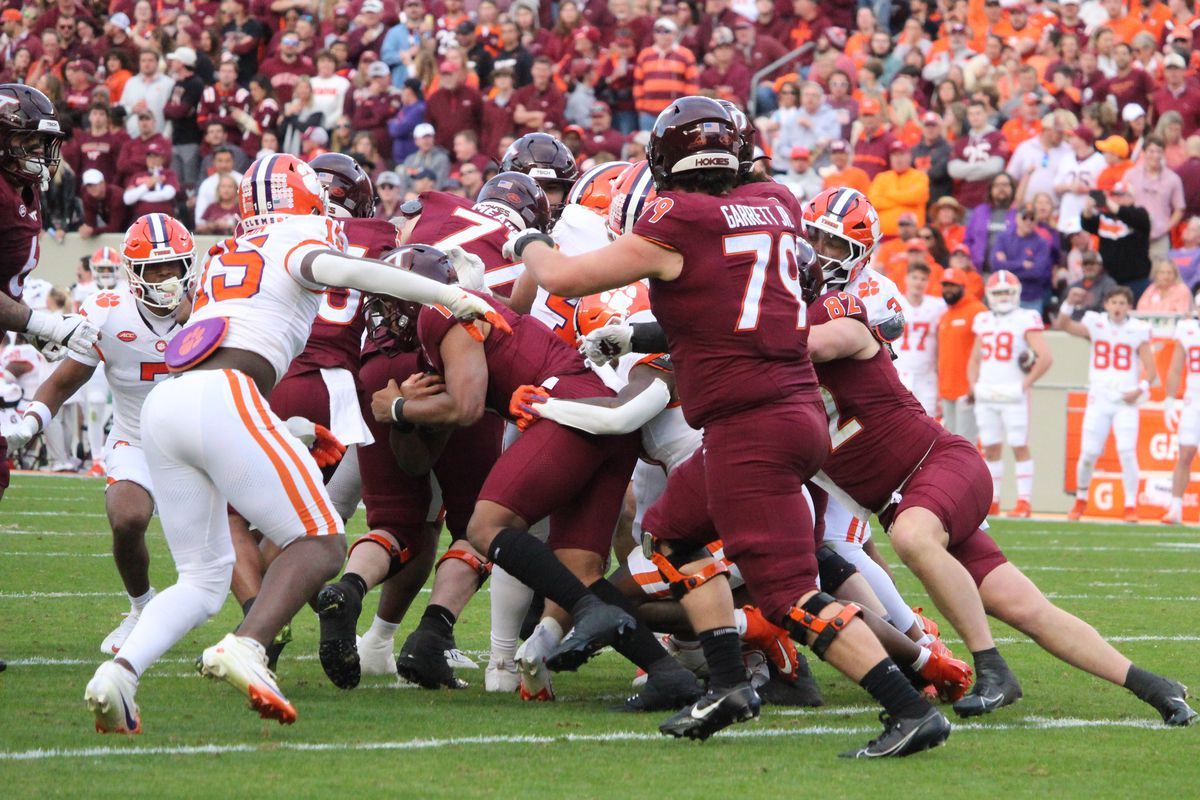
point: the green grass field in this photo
(1072, 735)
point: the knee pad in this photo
(806, 619)
(675, 558)
(832, 568)
(211, 583)
(482, 568)
(399, 556)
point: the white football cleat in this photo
(1174, 516)
(531, 661)
(456, 659)
(113, 642)
(110, 697)
(375, 655)
(501, 676)
(242, 663)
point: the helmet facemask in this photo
(164, 295)
(35, 155)
(107, 275)
(840, 258)
(1003, 299)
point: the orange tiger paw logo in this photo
(868, 288)
(108, 300)
(190, 340)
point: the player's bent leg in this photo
(1179, 481)
(376, 647)
(249, 567)
(345, 487)
(129, 508)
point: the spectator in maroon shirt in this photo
(286, 66)
(717, 14)
(726, 78)
(79, 84)
(132, 158)
(222, 216)
(217, 102)
(466, 151)
(152, 191)
(1131, 84)
(471, 178)
(374, 104)
(1177, 94)
(625, 19)
(96, 146)
(872, 148)
(63, 8)
(600, 136)
(103, 205)
(770, 22)
(453, 107)
(497, 111)
(368, 34)
(539, 105)
(116, 36)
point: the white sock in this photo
(1129, 476)
(1025, 479)
(95, 424)
(551, 628)
(138, 603)
(1176, 506)
(1083, 476)
(921, 660)
(996, 468)
(382, 629)
(899, 614)
(510, 601)
(926, 640)
(739, 621)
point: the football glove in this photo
(469, 268)
(29, 427)
(606, 345)
(324, 446)
(468, 308)
(72, 331)
(523, 405)
(514, 246)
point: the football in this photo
(1026, 360)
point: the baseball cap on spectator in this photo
(92, 177)
(423, 175)
(1018, 8)
(1068, 2)
(958, 28)
(587, 32)
(228, 57)
(155, 148)
(931, 118)
(1085, 133)
(906, 218)
(1174, 61)
(954, 274)
(897, 146)
(503, 69)
(342, 11)
(184, 55)
(916, 244)
(839, 146)
(741, 23)
(1182, 34)
(316, 135)
(119, 20)
(664, 25)
(599, 108)
(465, 27)
(388, 178)
(800, 152)
(721, 36)
(10, 15)
(447, 66)
(575, 129)
(378, 69)
(372, 7)
(82, 64)
(1132, 111)
(424, 129)
(1115, 145)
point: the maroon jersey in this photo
(878, 431)
(20, 227)
(531, 355)
(337, 331)
(481, 230)
(734, 317)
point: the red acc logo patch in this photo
(108, 300)
(160, 345)
(127, 336)
(661, 206)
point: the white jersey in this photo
(579, 230)
(1187, 336)
(39, 368)
(916, 351)
(1115, 366)
(254, 281)
(82, 291)
(879, 294)
(132, 343)
(1002, 342)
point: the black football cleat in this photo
(717, 709)
(597, 627)
(903, 736)
(275, 648)
(799, 692)
(666, 691)
(994, 688)
(1169, 699)
(338, 609)
(422, 661)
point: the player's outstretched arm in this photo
(841, 338)
(646, 394)
(628, 259)
(72, 331)
(68, 377)
(1063, 321)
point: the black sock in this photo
(989, 659)
(353, 580)
(535, 565)
(1141, 682)
(723, 652)
(887, 684)
(246, 605)
(640, 646)
(438, 619)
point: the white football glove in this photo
(29, 427)
(303, 429)
(516, 241)
(72, 331)
(1171, 414)
(470, 269)
(606, 345)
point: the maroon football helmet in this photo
(808, 271)
(30, 136)
(547, 161)
(693, 133)
(391, 322)
(350, 191)
(523, 195)
(747, 132)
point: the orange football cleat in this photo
(1131, 514)
(97, 470)
(950, 676)
(772, 640)
(1077, 510)
(1021, 510)
(928, 625)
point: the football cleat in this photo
(993, 689)
(903, 736)
(275, 648)
(1174, 516)
(457, 659)
(771, 640)
(501, 676)
(535, 682)
(375, 656)
(928, 625)
(800, 691)
(717, 709)
(947, 674)
(112, 643)
(1021, 510)
(422, 661)
(110, 697)
(338, 609)
(1131, 514)
(596, 627)
(1077, 510)
(96, 470)
(242, 663)
(1169, 698)
(666, 691)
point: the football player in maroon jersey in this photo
(30, 142)
(744, 376)
(547, 161)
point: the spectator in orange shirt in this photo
(899, 190)
(948, 216)
(917, 252)
(842, 172)
(1025, 124)
(1116, 154)
(891, 256)
(955, 343)
(1017, 31)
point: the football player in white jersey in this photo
(916, 350)
(1120, 375)
(1009, 356)
(1185, 420)
(254, 306)
(106, 266)
(136, 320)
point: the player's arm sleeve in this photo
(609, 420)
(325, 267)
(648, 337)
